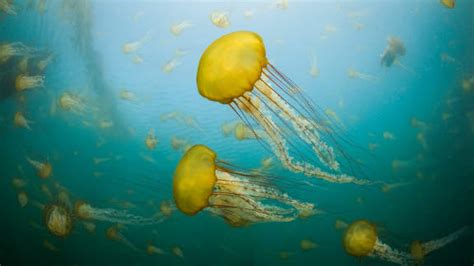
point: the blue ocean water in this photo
(413, 122)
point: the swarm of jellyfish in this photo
(202, 182)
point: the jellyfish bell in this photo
(43, 169)
(202, 182)
(25, 82)
(58, 220)
(234, 70)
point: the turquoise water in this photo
(434, 162)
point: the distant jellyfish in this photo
(167, 208)
(151, 141)
(152, 250)
(361, 240)
(9, 50)
(203, 182)
(131, 47)
(169, 66)
(354, 74)
(43, 169)
(113, 233)
(178, 252)
(42, 64)
(7, 7)
(307, 244)
(19, 120)
(25, 82)
(419, 250)
(85, 211)
(448, 3)
(127, 95)
(22, 199)
(72, 102)
(234, 71)
(314, 69)
(220, 19)
(178, 28)
(58, 220)
(395, 49)
(243, 132)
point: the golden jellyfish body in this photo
(202, 182)
(234, 70)
(58, 220)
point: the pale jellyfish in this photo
(19, 120)
(446, 116)
(90, 227)
(151, 141)
(8, 50)
(100, 160)
(243, 132)
(58, 220)
(388, 135)
(167, 208)
(179, 144)
(106, 124)
(227, 128)
(22, 199)
(358, 26)
(419, 124)
(282, 4)
(131, 47)
(330, 28)
(354, 74)
(43, 169)
(136, 59)
(42, 64)
(25, 82)
(23, 65)
(422, 140)
(446, 58)
(398, 164)
(361, 240)
(48, 245)
(284, 255)
(86, 211)
(148, 158)
(420, 250)
(307, 245)
(313, 70)
(178, 252)
(395, 48)
(152, 250)
(340, 224)
(467, 84)
(220, 19)
(388, 187)
(46, 191)
(127, 95)
(18, 183)
(372, 146)
(72, 102)
(171, 65)
(7, 7)
(178, 28)
(113, 233)
(266, 163)
(334, 118)
(249, 13)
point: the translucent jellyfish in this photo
(372, 146)
(234, 71)
(313, 70)
(90, 227)
(19, 120)
(249, 13)
(22, 199)
(307, 245)
(448, 3)
(243, 132)
(43, 169)
(282, 4)
(419, 250)
(220, 19)
(388, 187)
(23, 65)
(467, 84)
(152, 250)
(178, 252)
(171, 65)
(7, 7)
(419, 124)
(388, 135)
(361, 240)
(284, 255)
(18, 183)
(8, 50)
(42, 64)
(202, 182)
(227, 128)
(340, 224)
(50, 246)
(131, 47)
(392, 52)
(58, 220)
(136, 59)
(72, 102)
(25, 82)
(113, 233)
(151, 141)
(167, 208)
(178, 28)
(181, 118)
(85, 211)
(446, 58)
(179, 144)
(127, 95)
(100, 160)
(420, 136)
(354, 74)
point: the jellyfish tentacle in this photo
(439, 243)
(385, 252)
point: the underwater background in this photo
(414, 122)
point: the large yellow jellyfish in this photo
(58, 220)
(202, 182)
(419, 250)
(234, 70)
(361, 240)
(85, 211)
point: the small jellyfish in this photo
(113, 233)
(446, 58)
(72, 102)
(58, 220)
(392, 52)
(178, 252)
(22, 199)
(220, 19)
(8, 50)
(282, 4)
(25, 82)
(227, 128)
(372, 146)
(307, 245)
(448, 3)
(388, 135)
(361, 240)
(249, 13)
(178, 28)
(131, 47)
(100, 160)
(354, 74)
(42, 64)
(23, 65)
(50, 246)
(18, 183)
(202, 182)
(419, 124)
(340, 225)
(152, 250)
(151, 141)
(90, 227)
(467, 84)
(388, 187)
(127, 95)
(243, 132)
(7, 7)
(313, 70)
(171, 65)
(179, 144)
(419, 250)
(43, 169)
(136, 59)
(167, 208)
(19, 120)
(85, 211)
(266, 164)
(420, 136)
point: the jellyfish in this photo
(392, 52)
(282, 4)
(178, 252)
(85, 211)
(419, 250)
(7, 7)
(131, 47)
(58, 220)
(90, 227)
(19, 120)
(152, 250)
(101, 160)
(136, 59)
(313, 70)
(234, 71)
(227, 128)
(448, 3)
(18, 183)
(284, 255)
(361, 240)
(72, 102)
(171, 65)
(179, 144)
(307, 245)
(167, 208)
(249, 13)
(50, 246)
(8, 50)
(388, 135)
(23, 65)
(220, 19)
(127, 95)
(113, 233)
(354, 74)
(151, 141)
(42, 64)
(178, 28)
(419, 124)
(340, 224)
(243, 132)
(43, 169)
(467, 84)
(202, 182)
(420, 136)
(388, 187)
(22, 199)
(25, 82)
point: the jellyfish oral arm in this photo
(439, 243)
(385, 252)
